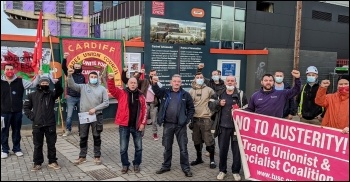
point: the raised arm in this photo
(105, 100)
(115, 92)
(32, 84)
(321, 98)
(290, 93)
(158, 92)
(28, 106)
(71, 82)
(64, 64)
(124, 78)
(58, 89)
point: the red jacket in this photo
(122, 115)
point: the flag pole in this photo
(54, 72)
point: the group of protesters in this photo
(206, 109)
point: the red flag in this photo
(142, 77)
(38, 51)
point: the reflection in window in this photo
(227, 30)
(97, 6)
(216, 11)
(239, 29)
(215, 29)
(240, 14)
(227, 13)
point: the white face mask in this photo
(230, 88)
(200, 81)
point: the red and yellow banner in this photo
(102, 56)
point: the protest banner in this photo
(99, 55)
(285, 150)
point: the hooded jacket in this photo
(122, 115)
(201, 95)
(185, 110)
(39, 106)
(337, 106)
(93, 96)
(12, 93)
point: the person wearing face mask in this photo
(73, 97)
(201, 124)
(12, 90)
(39, 107)
(131, 118)
(268, 101)
(223, 126)
(308, 110)
(336, 104)
(215, 82)
(93, 99)
(289, 109)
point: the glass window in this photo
(133, 21)
(215, 29)
(227, 30)
(240, 14)
(127, 22)
(138, 31)
(215, 11)
(97, 6)
(118, 24)
(114, 24)
(241, 4)
(122, 23)
(239, 28)
(119, 34)
(227, 12)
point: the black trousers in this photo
(170, 130)
(38, 139)
(225, 138)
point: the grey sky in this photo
(8, 28)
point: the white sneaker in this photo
(237, 177)
(19, 154)
(221, 176)
(4, 155)
(66, 133)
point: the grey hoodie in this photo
(92, 96)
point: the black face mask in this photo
(44, 87)
(78, 70)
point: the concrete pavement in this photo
(18, 168)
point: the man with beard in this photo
(268, 100)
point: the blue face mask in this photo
(215, 78)
(279, 79)
(93, 80)
(311, 79)
(200, 81)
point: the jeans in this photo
(152, 111)
(71, 102)
(124, 137)
(225, 138)
(96, 128)
(38, 139)
(169, 131)
(13, 119)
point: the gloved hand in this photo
(190, 126)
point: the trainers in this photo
(19, 154)
(155, 136)
(66, 133)
(236, 176)
(54, 166)
(4, 155)
(221, 176)
(36, 168)
(212, 165)
(97, 161)
(79, 161)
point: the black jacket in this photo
(185, 110)
(39, 106)
(215, 107)
(309, 109)
(77, 77)
(290, 107)
(218, 88)
(12, 96)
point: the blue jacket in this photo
(185, 110)
(272, 102)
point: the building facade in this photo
(60, 18)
